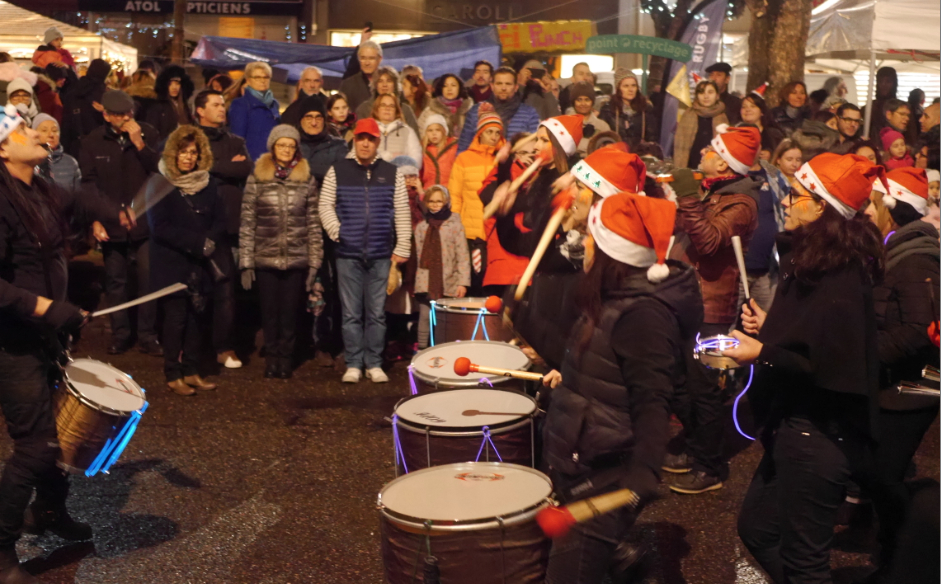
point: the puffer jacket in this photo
(729, 207)
(252, 120)
(455, 258)
(455, 120)
(437, 163)
(280, 227)
(398, 140)
(63, 169)
(612, 407)
(467, 178)
(815, 138)
(904, 308)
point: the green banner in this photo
(642, 45)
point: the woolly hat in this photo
(933, 175)
(406, 165)
(283, 131)
(486, 116)
(888, 135)
(612, 170)
(43, 118)
(909, 185)
(737, 146)
(635, 230)
(581, 89)
(52, 33)
(622, 73)
(435, 119)
(567, 130)
(842, 181)
(10, 120)
(19, 84)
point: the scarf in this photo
(266, 98)
(315, 139)
(182, 113)
(431, 254)
(686, 129)
(506, 109)
(189, 183)
(452, 104)
(283, 172)
(709, 112)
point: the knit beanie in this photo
(283, 131)
(436, 119)
(845, 182)
(406, 165)
(620, 74)
(888, 135)
(19, 84)
(10, 120)
(908, 185)
(52, 33)
(43, 118)
(933, 175)
(581, 89)
(486, 116)
(635, 230)
(98, 69)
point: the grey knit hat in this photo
(52, 33)
(43, 118)
(283, 131)
(622, 73)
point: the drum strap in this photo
(484, 442)
(399, 454)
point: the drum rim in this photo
(463, 431)
(514, 518)
(455, 310)
(95, 406)
(470, 383)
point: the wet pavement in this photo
(273, 481)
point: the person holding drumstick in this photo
(816, 392)
(608, 422)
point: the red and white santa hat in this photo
(760, 90)
(846, 181)
(909, 185)
(567, 130)
(612, 170)
(636, 230)
(737, 146)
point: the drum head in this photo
(462, 304)
(103, 385)
(465, 492)
(445, 409)
(437, 363)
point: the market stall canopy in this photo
(436, 54)
(23, 31)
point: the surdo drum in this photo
(432, 369)
(466, 319)
(463, 425)
(476, 519)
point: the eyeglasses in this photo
(264, 77)
(852, 120)
(189, 154)
(285, 147)
(796, 195)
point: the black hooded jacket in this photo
(161, 114)
(79, 116)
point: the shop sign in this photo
(642, 45)
(192, 7)
(568, 36)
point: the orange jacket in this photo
(437, 162)
(467, 178)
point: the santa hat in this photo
(487, 116)
(636, 230)
(909, 185)
(697, 78)
(10, 120)
(760, 90)
(612, 170)
(567, 130)
(737, 146)
(842, 181)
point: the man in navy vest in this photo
(364, 208)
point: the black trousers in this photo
(223, 298)
(698, 405)
(281, 292)
(328, 326)
(182, 337)
(789, 511)
(127, 276)
(477, 246)
(26, 401)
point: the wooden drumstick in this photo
(556, 521)
(562, 202)
(740, 258)
(463, 366)
(480, 413)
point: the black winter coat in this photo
(612, 407)
(786, 123)
(322, 153)
(230, 174)
(79, 117)
(904, 309)
(638, 127)
(162, 116)
(116, 169)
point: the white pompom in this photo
(888, 201)
(658, 273)
(722, 128)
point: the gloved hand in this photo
(209, 247)
(684, 183)
(65, 316)
(311, 278)
(248, 276)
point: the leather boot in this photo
(199, 383)
(10, 570)
(37, 520)
(179, 387)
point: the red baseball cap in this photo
(367, 126)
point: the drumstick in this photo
(463, 366)
(480, 413)
(556, 521)
(542, 157)
(152, 296)
(668, 178)
(523, 142)
(562, 202)
(740, 258)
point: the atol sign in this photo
(566, 36)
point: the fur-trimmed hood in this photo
(265, 167)
(162, 85)
(142, 90)
(172, 148)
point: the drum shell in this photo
(82, 430)
(514, 442)
(455, 324)
(505, 383)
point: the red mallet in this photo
(494, 304)
(463, 366)
(556, 521)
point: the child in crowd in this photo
(896, 152)
(443, 259)
(440, 150)
(934, 185)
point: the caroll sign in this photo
(642, 45)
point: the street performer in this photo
(33, 283)
(608, 421)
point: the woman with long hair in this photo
(449, 98)
(755, 112)
(174, 89)
(339, 117)
(386, 81)
(815, 392)
(629, 113)
(415, 92)
(787, 157)
(398, 138)
(867, 149)
(697, 126)
(790, 115)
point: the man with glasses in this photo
(848, 122)
(116, 160)
(310, 87)
(256, 113)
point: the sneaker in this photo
(696, 482)
(229, 360)
(352, 375)
(677, 463)
(377, 375)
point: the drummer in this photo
(33, 219)
(625, 354)
(816, 392)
